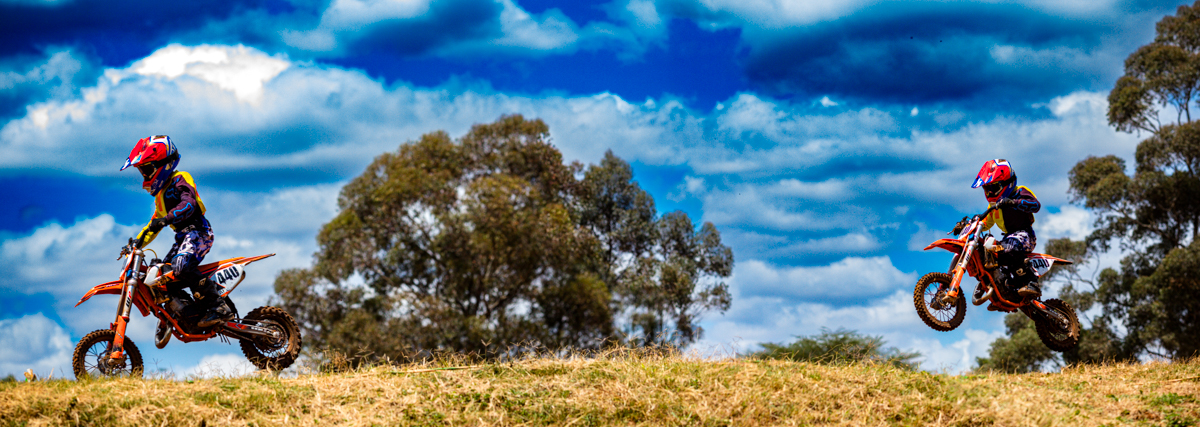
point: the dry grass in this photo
(625, 389)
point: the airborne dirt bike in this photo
(942, 305)
(268, 336)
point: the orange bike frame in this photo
(134, 293)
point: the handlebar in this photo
(128, 248)
(964, 222)
(988, 211)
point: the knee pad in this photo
(183, 263)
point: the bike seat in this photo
(207, 269)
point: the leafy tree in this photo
(1097, 343)
(491, 244)
(664, 271)
(1153, 214)
(838, 347)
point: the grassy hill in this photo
(627, 390)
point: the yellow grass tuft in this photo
(625, 388)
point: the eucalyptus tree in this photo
(490, 245)
(1153, 213)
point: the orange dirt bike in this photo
(942, 305)
(269, 336)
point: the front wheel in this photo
(927, 297)
(1055, 335)
(273, 353)
(91, 357)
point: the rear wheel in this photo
(91, 357)
(273, 353)
(927, 297)
(1058, 336)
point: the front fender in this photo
(113, 287)
(952, 245)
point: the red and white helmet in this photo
(997, 179)
(156, 158)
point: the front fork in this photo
(960, 269)
(117, 346)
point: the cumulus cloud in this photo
(1070, 221)
(763, 169)
(34, 342)
(57, 74)
(850, 277)
(61, 260)
(216, 366)
(327, 122)
(456, 28)
(238, 69)
(754, 320)
(762, 319)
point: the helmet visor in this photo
(993, 189)
(147, 171)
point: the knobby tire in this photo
(1053, 336)
(85, 359)
(945, 319)
(282, 354)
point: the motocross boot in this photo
(218, 311)
(1031, 290)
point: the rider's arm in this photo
(187, 205)
(1025, 201)
(988, 221)
(146, 235)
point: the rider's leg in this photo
(1017, 245)
(192, 248)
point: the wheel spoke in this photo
(933, 295)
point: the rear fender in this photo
(952, 245)
(228, 274)
(113, 287)
(208, 269)
(1041, 263)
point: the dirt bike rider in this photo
(178, 204)
(1015, 206)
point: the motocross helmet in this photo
(997, 179)
(156, 158)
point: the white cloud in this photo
(63, 260)
(756, 320)
(519, 32)
(644, 13)
(957, 357)
(778, 13)
(1071, 221)
(239, 69)
(348, 118)
(524, 30)
(783, 14)
(849, 278)
(59, 67)
(37, 343)
(924, 236)
(355, 14)
(217, 365)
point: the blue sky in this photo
(828, 141)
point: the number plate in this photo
(227, 276)
(1040, 266)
